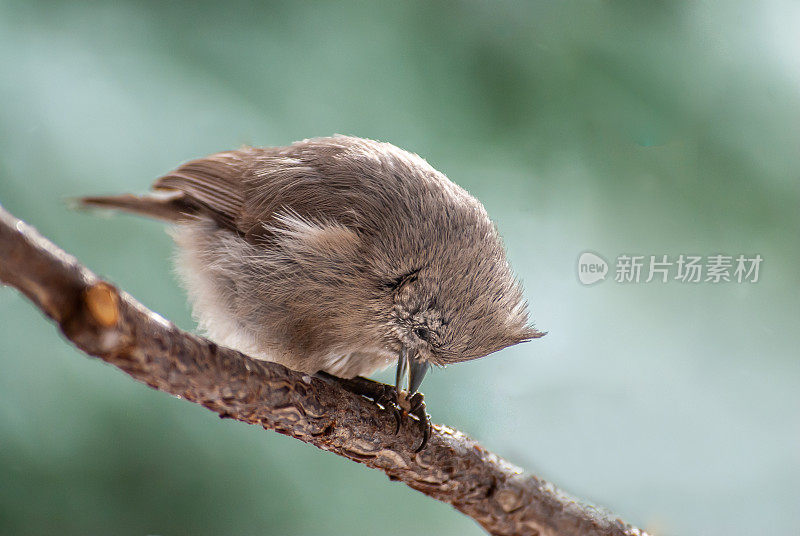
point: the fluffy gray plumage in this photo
(334, 253)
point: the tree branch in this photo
(107, 323)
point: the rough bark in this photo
(109, 324)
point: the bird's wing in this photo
(252, 190)
(213, 186)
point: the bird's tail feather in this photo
(168, 206)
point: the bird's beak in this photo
(416, 371)
(411, 402)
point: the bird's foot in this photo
(416, 407)
(399, 404)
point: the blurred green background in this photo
(613, 126)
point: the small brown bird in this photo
(339, 255)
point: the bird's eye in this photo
(423, 333)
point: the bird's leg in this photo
(412, 401)
(380, 393)
(399, 401)
(414, 404)
(417, 409)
